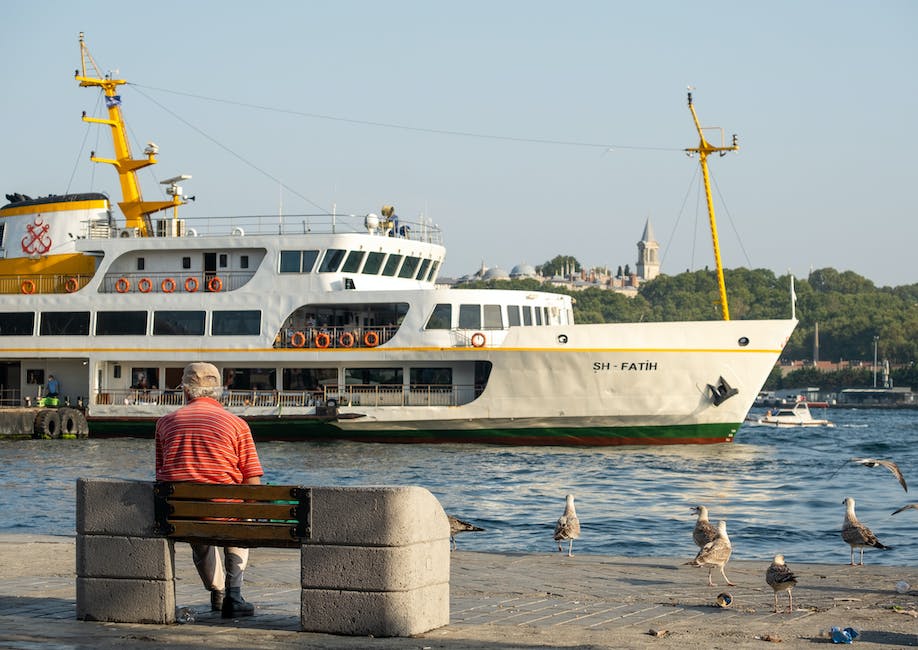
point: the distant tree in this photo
(627, 270)
(559, 265)
(618, 273)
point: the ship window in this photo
(391, 265)
(432, 376)
(186, 262)
(236, 322)
(538, 315)
(14, 323)
(141, 263)
(121, 323)
(373, 376)
(64, 323)
(513, 315)
(374, 263)
(298, 261)
(178, 323)
(332, 260)
(224, 260)
(441, 318)
(243, 261)
(492, 317)
(422, 272)
(2, 232)
(250, 378)
(433, 271)
(470, 317)
(309, 378)
(545, 318)
(352, 263)
(527, 315)
(409, 267)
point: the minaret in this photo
(648, 265)
(816, 344)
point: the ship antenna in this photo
(704, 149)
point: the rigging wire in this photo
(405, 127)
(76, 163)
(672, 234)
(732, 223)
(230, 151)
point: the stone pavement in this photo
(497, 601)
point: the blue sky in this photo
(822, 94)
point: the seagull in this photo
(457, 526)
(876, 462)
(911, 505)
(715, 554)
(780, 578)
(704, 532)
(856, 534)
(568, 526)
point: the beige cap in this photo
(201, 375)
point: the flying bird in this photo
(780, 578)
(457, 526)
(877, 462)
(911, 505)
(568, 526)
(704, 531)
(856, 534)
(715, 553)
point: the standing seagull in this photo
(856, 534)
(877, 462)
(780, 578)
(715, 554)
(704, 532)
(568, 526)
(457, 526)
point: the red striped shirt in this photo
(204, 443)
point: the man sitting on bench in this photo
(204, 443)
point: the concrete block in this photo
(374, 568)
(361, 613)
(103, 556)
(376, 516)
(114, 507)
(125, 600)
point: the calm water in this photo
(772, 486)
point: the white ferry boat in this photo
(335, 327)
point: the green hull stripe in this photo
(311, 429)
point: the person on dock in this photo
(54, 386)
(204, 443)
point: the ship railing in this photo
(288, 224)
(338, 337)
(35, 283)
(10, 397)
(141, 282)
(351, 395)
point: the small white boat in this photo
(797, 415)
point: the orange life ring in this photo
(72, 285)
(168, 285)
(214, 284)
(478, 340)
(27, 286)
(371, 339)
(191, 285)
(122, 285)
(346, 339)
(144, 285)
(323, 340)
(298, 339)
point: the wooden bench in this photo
(374, 560)
(233, 515)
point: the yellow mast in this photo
(703, 149)
(136, 211)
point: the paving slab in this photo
(496, 601)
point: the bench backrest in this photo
(234, 515)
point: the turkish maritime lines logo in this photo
(37, 240)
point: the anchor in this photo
(722, 391)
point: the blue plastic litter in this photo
(846, 635)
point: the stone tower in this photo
(648, 265)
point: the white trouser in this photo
(219, 573)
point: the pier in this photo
(496, 601)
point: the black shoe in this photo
(234, 605)
(216, 600)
